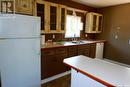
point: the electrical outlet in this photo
(129, 42)
(53, 36)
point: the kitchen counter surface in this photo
(107, 73)
(63, 44)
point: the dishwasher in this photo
(99, 50)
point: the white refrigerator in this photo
(20, 51)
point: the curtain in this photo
(73, 26)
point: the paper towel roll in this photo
(43, 39)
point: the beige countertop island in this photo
(103, 73)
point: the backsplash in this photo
(61, 37)
(54, 37)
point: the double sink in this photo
(74, 42)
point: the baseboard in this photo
(122, 64)
(55, 77)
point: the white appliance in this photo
(20, 51)
(99, 50)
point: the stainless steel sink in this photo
(78, 42)
(81, 42)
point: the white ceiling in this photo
(102, 3)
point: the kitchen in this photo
(77, 29)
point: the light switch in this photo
(116, 36)
(118, 27)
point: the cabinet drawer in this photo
(61, 51)
(47, 52)
(80, 52)
(84, 52)
(71, 54)
(72, 48)
(93, 44)
(87, 52)
(82, 47)
(62, 56)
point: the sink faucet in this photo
(74, 38)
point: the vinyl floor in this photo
(60, 82)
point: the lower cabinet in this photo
(52, 58)
(92, 50)
(72, 51)
(48, 66)
(84, 49)
(61, 67)
(52, 62)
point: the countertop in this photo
(64, 44)
(107, 73)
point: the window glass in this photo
(73, 26)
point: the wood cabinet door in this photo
(49, 66)
(61, 68)
(24, 6)
(53, 19)
(54, 16)
(97, 23)
(94, 26)
(72, 51)
(41, 13)
(93, 23)
(42, 10)
(100, 23)
(84, 50)
(93, 50)
(52, 62)
(61, 18)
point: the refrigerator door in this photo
(19, 26)
(20, 62)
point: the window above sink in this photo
(73, 26)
